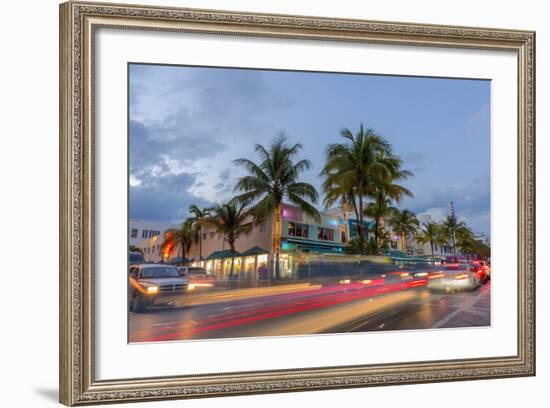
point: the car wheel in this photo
(137, 304)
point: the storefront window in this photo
(226, 267)
(262, 273)
(249, 267)
(218, 268)
(286, 266)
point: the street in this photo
(312, 308)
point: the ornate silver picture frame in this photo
(79, 22)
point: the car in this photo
(197, 276)
(135, 258)
(486, 267)
(151, 284)
(194, 272)
(481, 268)
(455, 277)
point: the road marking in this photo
(463, 306)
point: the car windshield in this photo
(159, 272)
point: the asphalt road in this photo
(353, 307)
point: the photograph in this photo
(354, 190)
(283, 203)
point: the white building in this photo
(139, 230)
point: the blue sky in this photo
(187, 125)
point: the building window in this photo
(298, 230)
(219, 235)
(153, 233)
(211, 234)
(204, 236)
(144, 233)
(325, 234)
(134, 233)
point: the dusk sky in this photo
(188, 124)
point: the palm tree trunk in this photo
(379, 221)
(277, 238)
(345, 218)
(360, 226)
(200, 246)
(232, 249)
(454, 243)
(432, 247)
(355, 210)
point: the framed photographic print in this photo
(256, 203)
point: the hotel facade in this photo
(301, 238)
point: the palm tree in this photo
(384, 189)
(378, 210)
(465, 240)
(198, 215)
(430, 233)
(272, 180)
(342, 193)
(351, 166)
(450, 226)
(404, 223)
(184, 236)
(231, 220)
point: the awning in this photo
(223, 254)
(255, 251)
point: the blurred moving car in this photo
(482, 269)
(154, 284)
(455, 277)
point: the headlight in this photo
(151, 290)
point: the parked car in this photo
(154, 284)
(197, 276)
(135, 258)
(455, 277)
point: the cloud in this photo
(472, 203)
(186, 125)
(166, 200)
